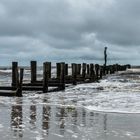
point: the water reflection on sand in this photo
(40, 121)
(16, 119)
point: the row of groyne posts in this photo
(80, 73)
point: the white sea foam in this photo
(1, 126)
(39, 138)
(6, 71)
(58, 135)
(118, 93)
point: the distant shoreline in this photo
(135, 67)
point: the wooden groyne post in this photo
(49, 67)
(58, 70)
(97, 71)
(15, 75)
(46, 75)
(33, 71)
(88, 69)
(105, 61)
(91, 72)
(66, 69)
(83, 71)
(105, 56)
(62, 76)
(78, 69)
(20, 81)
(74, 73)
(101, 72)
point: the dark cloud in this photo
(69, 29)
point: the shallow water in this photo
(106, 110)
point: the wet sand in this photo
(109, 110)
(39, 121)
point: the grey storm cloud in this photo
(69, 30)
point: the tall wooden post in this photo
(46, 73)
(94, 73)
(114, 70)
(74, 73)
(104, 70)
(91, 72)
(105, 56)
(88, 69)
(15, 76)
(19, 88)
(110, 69)
(58, 70)
(101, 72)
(97, 71)
(105, 60)
(66, 69)
(33, 71)
(107, 70)
(116, 67)
(49, 69)
(79, 69)
(83, 71)
(129, 66)
(62, 75)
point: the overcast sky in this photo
(69, 30)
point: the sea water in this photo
(105, 110)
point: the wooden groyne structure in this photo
(80, 73)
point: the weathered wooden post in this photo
(49, 69)
(114, 68)
(88, 69)
(107, 70)
(19, 88)
(125, 67)
(97, 71)
(46, 76)
(105, 56)
(74, 73)
(79, 69)
(129, 66)
(15, 76)
(33, 71)
(118, 67)
(21, 75)
(62, 75)
(66, 69)
(101, 72)
(109, 67)
(83, 71)
(94, 72)
(91, 72)
(58, 70)
(105, 61)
